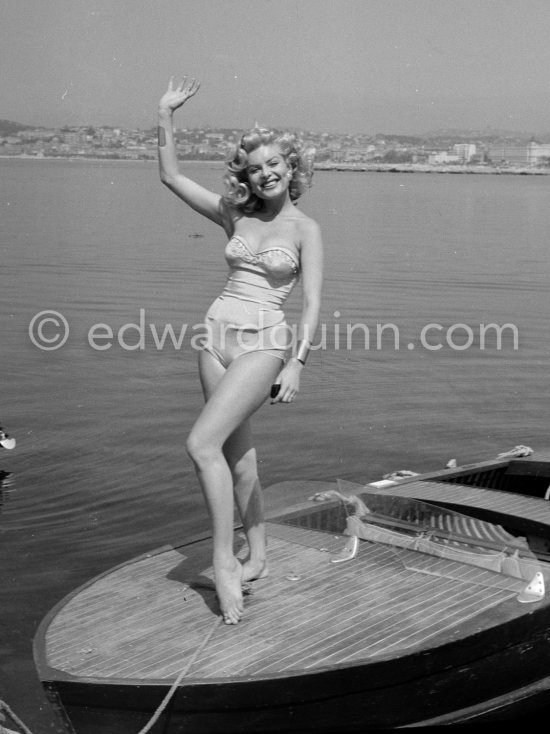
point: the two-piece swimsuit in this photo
(248, 315)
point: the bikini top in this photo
(277, 262)
(266, 277)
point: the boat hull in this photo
(344, 713)
(491, 667)
(449, 685)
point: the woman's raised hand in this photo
(174, 97)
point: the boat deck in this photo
(145, 620)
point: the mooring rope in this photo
(166, 700)
(161, 708)
(4, 707)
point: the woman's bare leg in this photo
(241, 457)
(240, 454)
(238, 393)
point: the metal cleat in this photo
(534, 591)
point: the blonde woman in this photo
(271, 244)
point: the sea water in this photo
(433, 345)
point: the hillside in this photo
(7, 127)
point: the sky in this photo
(357, 66)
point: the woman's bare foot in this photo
(254, 569)
(228, 582)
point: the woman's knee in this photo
(201, 450)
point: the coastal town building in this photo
(531, 154)
(464, 151)
(443, 158)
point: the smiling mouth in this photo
(270, 184)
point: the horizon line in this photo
(429, 133)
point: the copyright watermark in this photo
(49, 330)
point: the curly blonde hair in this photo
(238, 194)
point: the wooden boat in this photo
(437, 614)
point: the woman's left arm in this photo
(311, 261)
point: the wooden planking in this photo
(386, 611)
(143, 621)
(506, 503)
(126, 622)
(329, 542)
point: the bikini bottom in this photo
(235, 327)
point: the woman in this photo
(270, 244)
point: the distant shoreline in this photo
(329, 166)
(426, 168)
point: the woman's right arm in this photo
(197, 197)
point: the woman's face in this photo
(268, 172)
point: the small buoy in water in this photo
(5, 441)
(293, 577)
(451, 464)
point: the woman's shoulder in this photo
(306, 226)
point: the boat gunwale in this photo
(458, 471)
